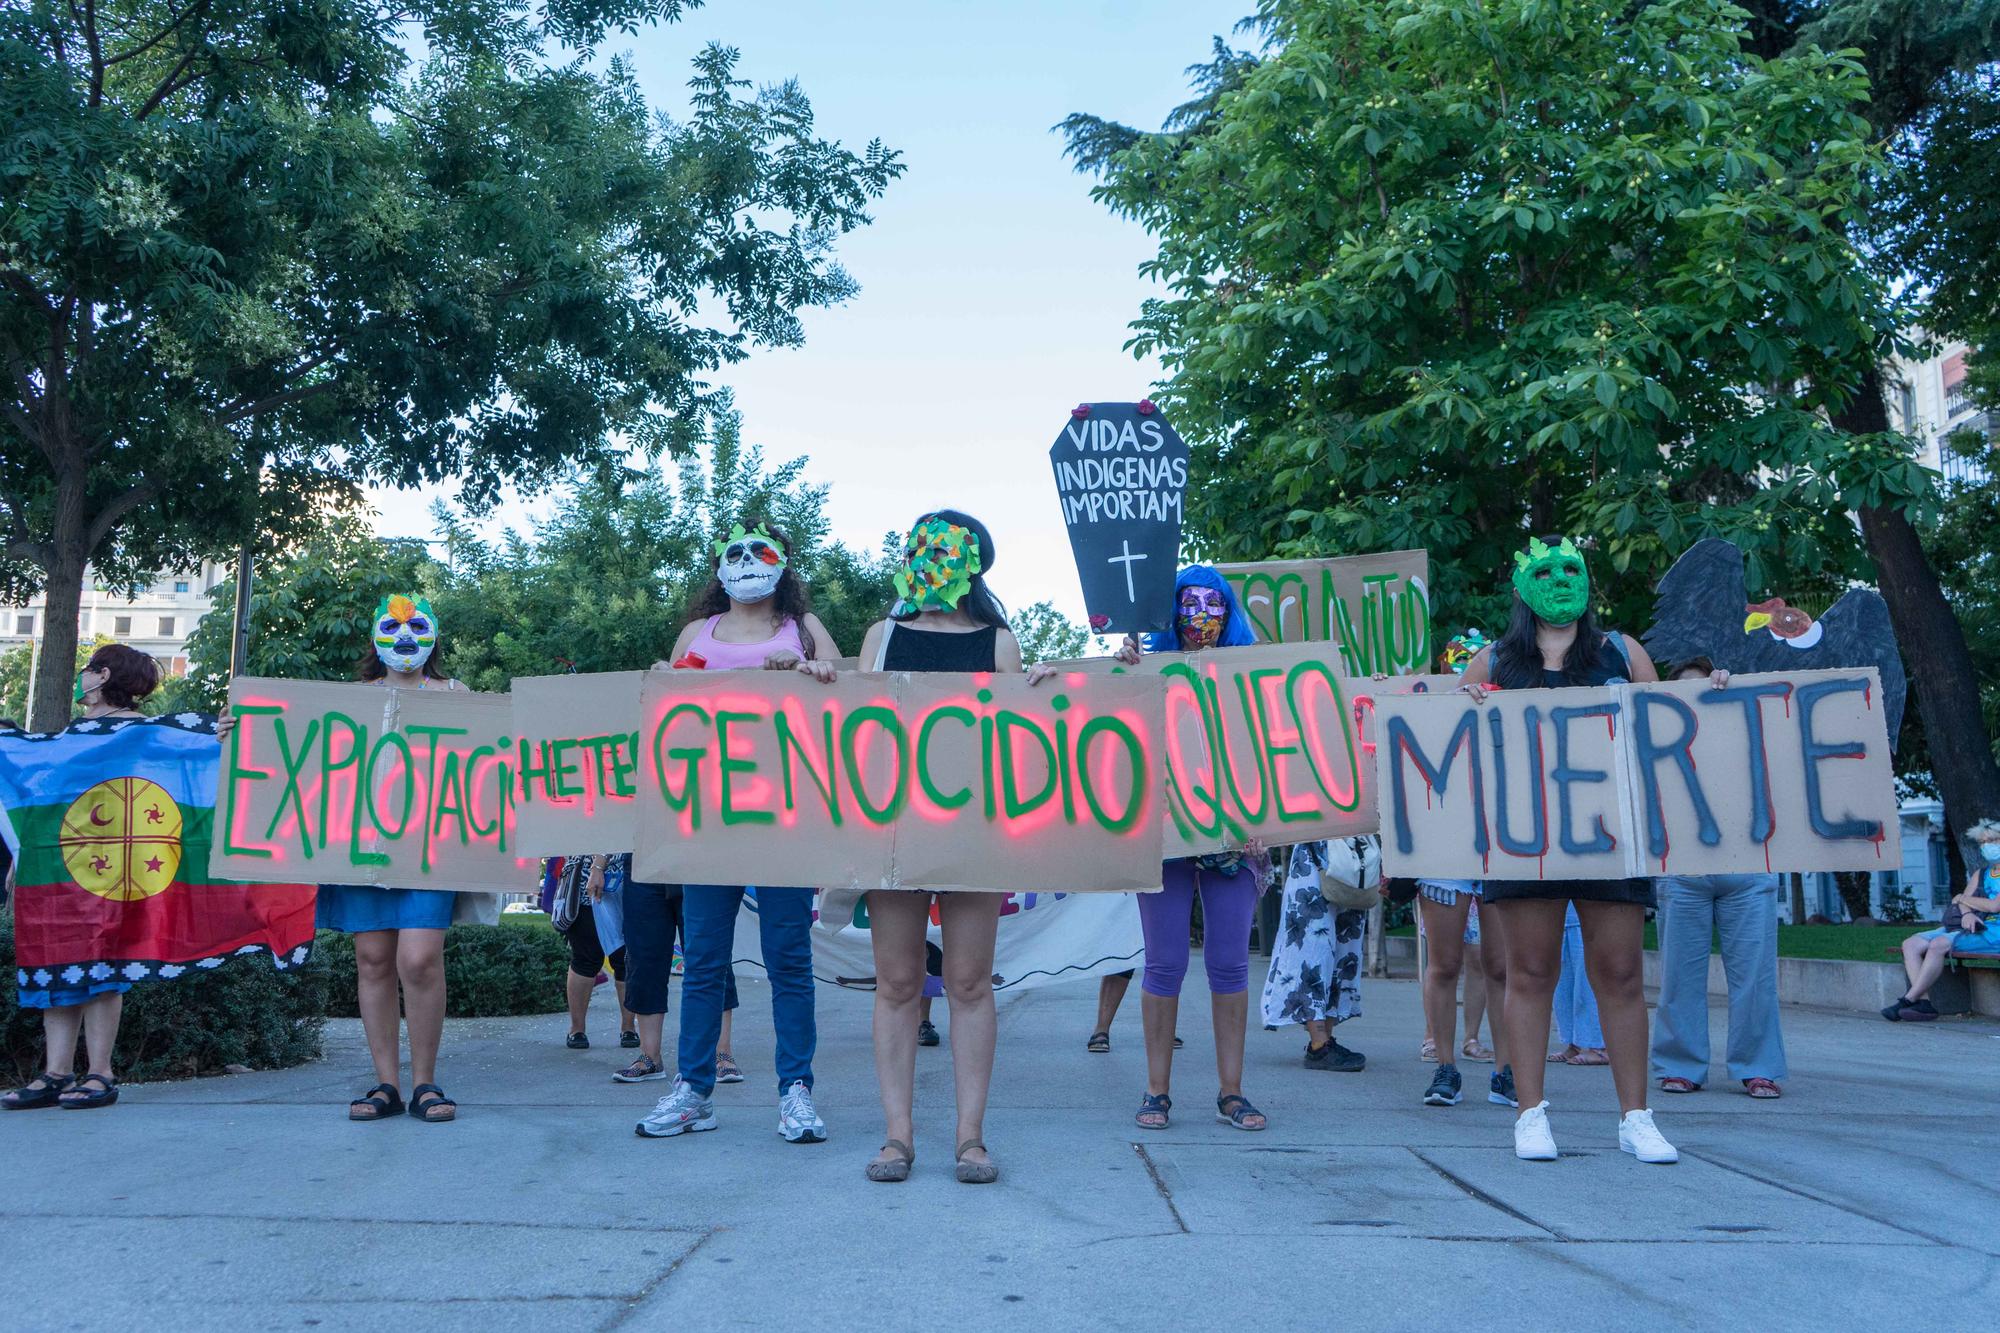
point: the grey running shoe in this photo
(682, 1111)
(797, 1120)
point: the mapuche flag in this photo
(109, 823)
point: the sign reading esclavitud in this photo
(1121, 473)
(1376, 607)
(1772, 773)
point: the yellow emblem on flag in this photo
(122, 839)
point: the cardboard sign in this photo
(943, 781)
(1121, 472)
(368, 784)
(1778, 772)
(578, 739)
(1259, 742)
(1376, 607)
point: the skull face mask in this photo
(1199, 617)
(405, 632)
(939, 560)
(1458, 654)
(750, 564)
(1552, 580)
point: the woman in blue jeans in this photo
(1742, 912)
(753, 615)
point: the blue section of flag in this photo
(179, 752)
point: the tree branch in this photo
(107, 518)
(168, 86)
(96, 52)
(276, 400)
(239, 409)
(160, 36)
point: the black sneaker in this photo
(1893, 1011)
(1336, 1057)
(629, 1040)
(927, 1033)
(1919, 1011)
(578, 1042)
(1500, 1088)
(1446, 1087)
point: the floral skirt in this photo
(1316, 967)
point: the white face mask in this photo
(750, 568)
(1990, 852)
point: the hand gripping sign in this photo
(1777, 772)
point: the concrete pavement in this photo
(1866, 1196)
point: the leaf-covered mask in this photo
(749, 564)
(1553, 581)
(939, 560)
(1199, 617)
(405, 632)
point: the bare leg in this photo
(969, 922)
(576, 990)
(1532, 933)
(381, 1008)
(723, 1045)
(1444, 930)
(624, 1014)
(1110, 994)
(1318, 1032)
(420, 964)
(60, 1027)
(100, 1029)
(650, 1027)
(924, 1009)
(896, 925)
(1936, 958)
(1474, 971)
(1160, 1014)
(1493, 961)
(1232, 1016)
(1614, 958)
(1914, 949)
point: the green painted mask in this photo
(939, 561)
(1553, 581)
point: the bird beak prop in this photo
(1755, 621)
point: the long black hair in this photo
(791, 600)
(1517, 658)
(979, 603)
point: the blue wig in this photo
(1236, 630)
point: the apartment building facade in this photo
(157, 619)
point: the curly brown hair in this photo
(791, 601)
(131, 675)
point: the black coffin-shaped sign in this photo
(1121, 472)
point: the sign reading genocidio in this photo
(1121, 472)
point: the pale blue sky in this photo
(995, 294)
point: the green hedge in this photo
(243, 1013)
(489, 971)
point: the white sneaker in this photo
(1532, 1140)
(1639, 1136)
(797, 1120)
(679, 1112)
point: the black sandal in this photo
(81, 1100)
(380, 1102)
(1235, 1110)
(1099, 1043)
(422, 1109)
(1153, 1111)
(31, 1098)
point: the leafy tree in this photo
(18, 661)
(311, 612)
(253, 255)
(1419, 247)
(1047, 635)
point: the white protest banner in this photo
(1775, 772)
(1376, 607)
(578, 748)
(1043, 937)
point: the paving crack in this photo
(1160, 1184)
(1497, 1204)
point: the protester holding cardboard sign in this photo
(754, 614)
(1552, 640)
(944, 619)
(398, 932)
(1206, 615)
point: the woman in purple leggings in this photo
(1205, 616)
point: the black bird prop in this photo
(1702, 610)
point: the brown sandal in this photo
(896, 1169)
(974, 1173)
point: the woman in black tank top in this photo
(944, 619)
(1553, 641)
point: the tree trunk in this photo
(55, 679)
(1853, 887)
(1935, 654)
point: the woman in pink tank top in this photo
(754, 615)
